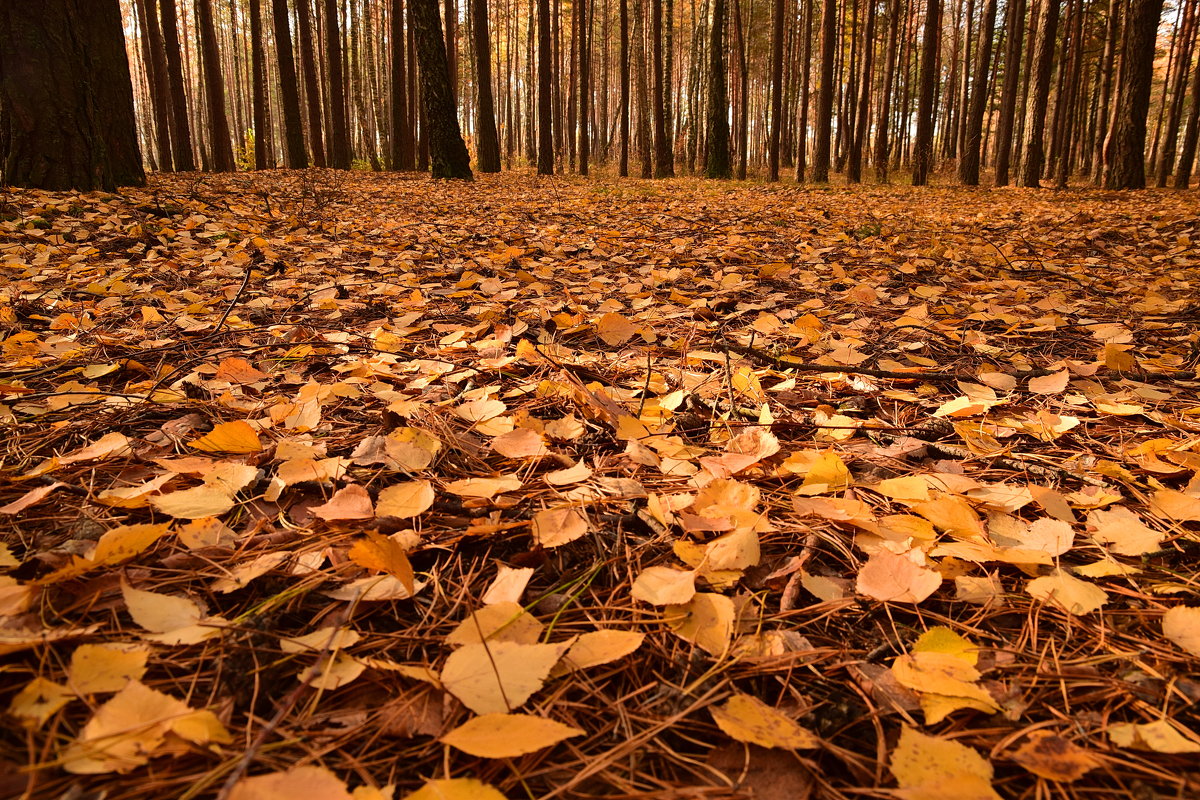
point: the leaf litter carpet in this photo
(334, 486)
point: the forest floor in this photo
(319, 483)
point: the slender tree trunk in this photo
(401, 135)
(263, 141)
(854, 163)
(623, 160)
(293, 129)
(545, 98)
(312, 81)
(824, 130)
(1032, 161)
(664, 166)
(1126, 165)
(717, 163)
(1014, 24)
(776, 90)
(743, 117)
(645, 150)
(1191, 132)
(923, 146)
(487, 142)
(447, 152)
(585, 84)
(806, 71)
(968, 165)
(889, 76)
(1179, 82)
(160, 86)
(181, 132)
(339, 139)
(214, 89)
(1069, 96)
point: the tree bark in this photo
(882, 160)
(488, 145)
(776, 90)
(802, 111)
(824, 130)
(312, 81)
(401, 133)
(160, 85)
(1126, 164)
(214, 90)
(854, 163)
(923, 146)
(181, 132)
(263, 145)
(545, 98)
(1032, 161)
(585, 84)
(289, 94)
(66, 97)
(1191, 132)
(448, 156)
(968, 165)
(717, 164)
(664, 162)
(339, 140)
(623, 110)
(1014, 20)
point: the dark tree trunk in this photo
(776, 90)
(623, 110)
(645, 149)
(160, 86)
(717, 164)
(802, 122)
(664, 162)
(1126, 163)
(545, 98)
(854, 163)
(824, 130)
(339, 140)
(488, 145)
(743, 115)
(885, 111)
(1107, 62)
(263, 150)
(585, 84)
(923, 145)
(214, 90)
(968, 165)
(312, 81)
(289, 92)
(1032, 161)
(448, 156)
(181, 131)
(1191, 132)
(66, 98)
(401, 133)
(450, 17)
(1014, 24)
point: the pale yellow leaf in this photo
(1065, 590)
(553, 527)
(932, 768)
(1181, 625)
(706, 621)
(307, 782)
(750, 720)
(507, 735)
(664, 586)
(230, 437)
(105, 667)
(498, 676)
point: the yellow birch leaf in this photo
(507, 735)
(230, 437)
(750, 720)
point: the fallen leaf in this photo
(932, 768)
(554, 527)
(1065, 590)
(309, 782)
(229, 437)
(507, 735)
(1050, 756)
(750, 720)
(498, 676)
(1181, 625)
(455, 789)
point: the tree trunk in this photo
(488, 144)
(214, 89)
(824, 130)
(448, 156)
(717, 163)
(401, 133)
(289, 92)
(585, 84)
(66, 97)
(1126, 165)
(743, 110)
(1179, 82)
(545, 98)
(664, 163)
(889, 76)
(623, 110)
(1008, 97)
(1191, 132)
(339, 139)
(968, 165)
(645, 151)
(160, 86)
(451, 19)
(312, 81)
(1032, 161)
(923, 146)
(181, 132)
(263, 149)
(776, 90)
(854, 163)
(802, 122)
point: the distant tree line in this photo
(1032, 92)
